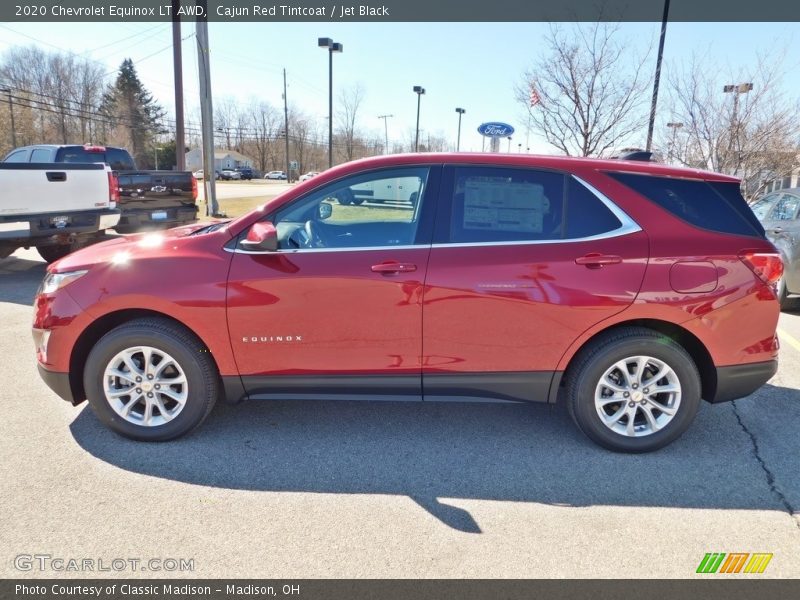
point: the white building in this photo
(223, 159)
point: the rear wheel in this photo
(633, 390)
(150, 380)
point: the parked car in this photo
(779, 213)
(55, 208)
(309, 175)
(275, 175)
(245, 172)
(229, 174)
(147, 199)
(628, 290)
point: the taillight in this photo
(194, 188)
(93, 148)
(767, 265)
(113, 189)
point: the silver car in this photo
(778, 213)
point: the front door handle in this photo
(595, 260)
(394, 267)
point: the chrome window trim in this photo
(628, 226)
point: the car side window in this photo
(786, 208)
(524, 205)
(17, 157)
(761, 207)
(376, 209)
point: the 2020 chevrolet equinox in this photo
(628, 290)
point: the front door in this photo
(336, 310)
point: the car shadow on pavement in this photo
(19, 279)
(434, 452)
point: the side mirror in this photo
(262, 236)
(324, 211)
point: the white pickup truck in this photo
(55, 207)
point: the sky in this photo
(475, 66)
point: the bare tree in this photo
(264, 130)
(350, 101)
(591, 90)
(752, 134)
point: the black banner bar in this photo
(714, 587)
(268, 11)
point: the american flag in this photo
(535, 99)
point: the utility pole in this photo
(460, 112)
(206, 112)
(654, 102)
(177, 69)
(386, 130)
(286, 128)
(11, 111)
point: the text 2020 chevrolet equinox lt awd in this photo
(627, 289)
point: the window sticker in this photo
(504, 206)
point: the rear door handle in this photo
(56, 176)
(596, 260)
(394, 267)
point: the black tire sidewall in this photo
(188, 358)
(583, 406)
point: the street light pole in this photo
(741, 88)
(332, 47)
(460, 112)
(418, 90)
(509, 144)
(386, 130)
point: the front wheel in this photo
(150, 380)
(633, 390)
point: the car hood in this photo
(128, 248)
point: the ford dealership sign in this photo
(495, 129)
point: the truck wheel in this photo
(633, 390)
(53, 253)
(151, 380)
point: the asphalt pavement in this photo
(359, 489)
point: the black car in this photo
(246, 172)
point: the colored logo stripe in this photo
(735, 562)
(758, 563)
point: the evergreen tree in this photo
(136, 115)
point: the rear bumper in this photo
(141, 218)
(738, 381)
(48, 225)
(58, 382)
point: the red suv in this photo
(630, 290)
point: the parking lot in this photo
(315, 489)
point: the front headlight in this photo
(55, 281)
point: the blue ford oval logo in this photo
(495, 129)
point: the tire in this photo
(635, 346)
(190, 362)
(358, 201)
(53, 253)
(783, 295)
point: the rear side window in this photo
(786, 208)
(40, 155)
(715, 206)
(492, 204)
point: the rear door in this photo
(523, 262)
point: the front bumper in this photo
(59, 383)
(738, 381)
